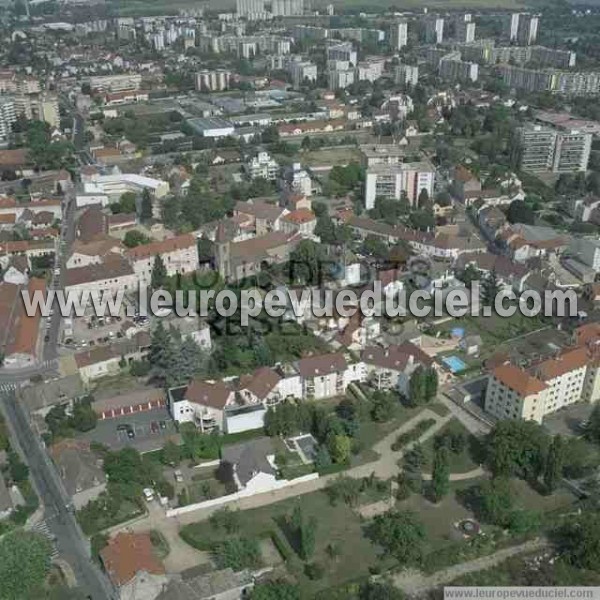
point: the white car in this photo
(178, 476)
(149, 494)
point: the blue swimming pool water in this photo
(455, 364)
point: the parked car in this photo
(123, 427)
(178, 475)
(154, 427)
(149, 494)
(130, 433)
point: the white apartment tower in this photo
(406, 74)
(434, 30)
(8, 116)
(212, 81)
(250, 9)
(527, 30)
(399, 35)
(287, 8)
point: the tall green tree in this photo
(159, 273)
(24, 564)
(163, 354)
(554, 463)
(440, 476)
(490, 287)
(401, 535)
(146, 207)
(592, 429)
(305, 529)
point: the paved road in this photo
(70, 540)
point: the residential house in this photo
(302, 221)
(391, 368)
(131, 562)
(251, 465)
(202, 403)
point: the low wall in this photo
(223, 500)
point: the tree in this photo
(490, 288)
(493, 501)
(190, 359)
(146, 208)
(159, 273)
(305, 530)
(171, 454)
(163, 355)
(592, 429)
(578, 541)
(127, 203)
(17, 469)
(440, 476)
(237, 553)
(517, 448)
(134, 238)
(519, 212)
(275, 590)
(377, 590)
(412, 464)
(423, 200)
(306, 263)
(400, 534)
(383, 405)
(339, 447)
(24, 564)
(554, 464)
(346, 489)
(422, 386)
(84, 418)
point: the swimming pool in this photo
(455, 364)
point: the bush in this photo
(237, 553)
(314, 571)
(413, 434)
(282, 545)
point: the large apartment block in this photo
(395, 180)
(546, 149)
(577, 83)
(212, 81)
(399, 35)
(544, 388)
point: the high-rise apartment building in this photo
(537, 147)
(251, 9)
(302, 72)
(395, 180)
(546, 149)
(528, 28)
(406, 74)
(287, 8)
(399, 35)
(572, 152)
(342, 52)
(212, 81)
(8, 116)
(434, 30)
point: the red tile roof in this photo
(214, 394)
(518, 380)
(174, 244)
(128, 553)
(324, 364)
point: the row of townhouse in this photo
(239, 404)
(516, 392)
(441, 246)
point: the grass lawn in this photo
(330, 157)
(205, 486)
(461, 462)
(336, 525)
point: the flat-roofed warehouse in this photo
(211, 127)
